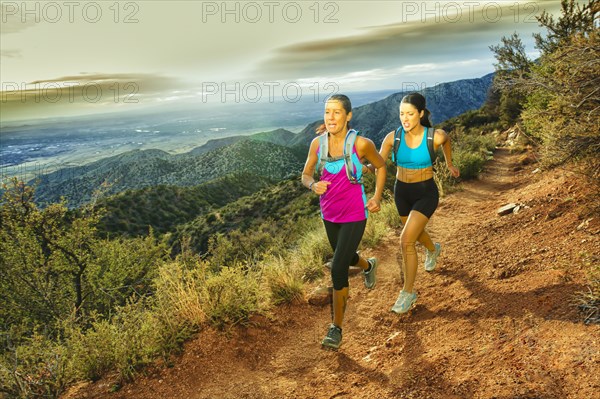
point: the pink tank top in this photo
(343, 202)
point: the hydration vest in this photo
(324, 157)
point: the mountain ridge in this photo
(375, 120)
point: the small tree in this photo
(512, 69)
(44, 256)
(576, 19)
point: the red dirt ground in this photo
(496, 319)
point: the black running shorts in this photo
(422, 197)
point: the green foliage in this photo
(163, 208)
(470, 164)
(37, 368)
(283, 280)
(178, 303)
(92, 350)
(125, 343)
(576, 19)
(512, 60)
(271, 211)
(45, 255)
(311, 251)
(120, 269)
(565, 113)
(389, 212)
(55, 268)
(559, 93)
(232, 295)
(379, 224)
(248, 247)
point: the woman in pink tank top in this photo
(344, 205)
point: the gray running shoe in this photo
(431, 257)
(404, 302)
(333, 339)
(370, 276)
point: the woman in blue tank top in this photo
(415, 192)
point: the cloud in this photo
(83, 94)
(11, 54)
(440, 39)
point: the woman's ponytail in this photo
(426, 119)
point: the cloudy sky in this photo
(78, 57)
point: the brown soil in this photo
(497, 319)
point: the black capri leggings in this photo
(344, 239)
(422, 197)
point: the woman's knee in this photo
(339, 281)
(408, 244)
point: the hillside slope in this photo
(147, 168)
(496, 319)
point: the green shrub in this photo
(232, 295)
(312, 251)
(470, 164)
(389, 213)
(378, 225)
(125, 343)
(589, 300)
(137, 339)
(35, 369)
(92, 351)
(177, 304)
(283, 279)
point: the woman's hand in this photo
(454, 171)
(374, 205)
(320, 187)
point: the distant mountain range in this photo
(445, 101)
(275, 155)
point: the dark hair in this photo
(343, 99)
(346, 104)
(418, 101)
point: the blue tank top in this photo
(413, 158)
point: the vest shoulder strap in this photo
(429, 137)
(397, 139)
(351, 170)
(323, 156)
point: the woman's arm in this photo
(384, 152)
(309, 170)
(367, 150)
(442, 138)
(387, 145)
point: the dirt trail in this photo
(494, 320)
